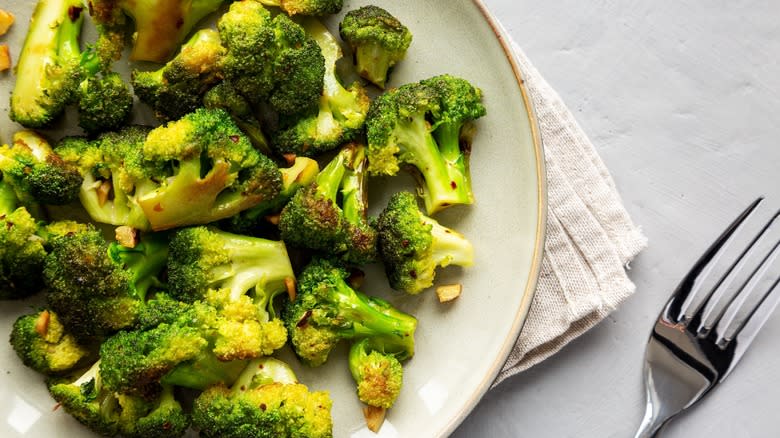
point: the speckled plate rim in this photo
(541, 221)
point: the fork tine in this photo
(732, 324)
(697, 286)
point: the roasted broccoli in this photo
(265, 401)
(377, 372)
(424, 125)
(378, 41)
(224, 95)
(43, 344)
(96, 287)
(22, 251)
(327, 309)
(306, 7)
(270, 59)
(203, 169)
(113, 175)
(158, 26)
(330, 214)
(53, 72)
(112, 414)
(177, 88)
(412, 245)
(36, 172)
(341, 112)
(302, 173)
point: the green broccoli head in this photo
(178, 87)
(270, 59)
(22, 254)
(341, 111)
(158, 26)
(330, 215)
(43, 344)
(412, 245)
(48, 71)
(36, 172)
(224, 95)
(108, 413)
(97, 288)
(103, 99)
(204, 169)
(204, 258)
(378, 41)
(265, 401)
(306, 7)
(326, 310)
(378, 374)
(113, 174)
(425, 125)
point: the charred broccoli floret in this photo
(96, 287)
(53, 72)
(341, 112)
(426, 125)
(306, 7)
(43, 344)
(330, 214)
(270, 59)
(327, 309)
(203, 169)
(412, 245)
(36, 172)
(177, 88)
(224, 95)
(378, 40)
(113, 175)
(158, 26)
(111, 414)
(266, 400)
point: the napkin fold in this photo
(590, 238)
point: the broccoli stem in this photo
(8, 199)
(329, 179)
(262, 264)
(262, 371)
(373, 62)
(447, 136)
(204, 371)
(449, 247)
(368, 318)
(353, 190)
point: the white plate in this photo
(460, 346)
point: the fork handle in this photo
(651, 423)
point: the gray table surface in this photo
(681, 100)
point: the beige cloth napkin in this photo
(590, 238)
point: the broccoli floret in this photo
(225, 96)
(377, 372)
(330, 214)
(326, 310)
(177, 88)
(412, 245)
(22, 251)
(48, 68)
(302, 173)
(36, 172)
(53, 72)
(341, 112)
(270, 59)
(158, 26)
(424, 125)
(203, 169)
(97, 288)
(104, 100)
(265, 401)
(111, 414)
(378, 41)
(113, 175)
(307, 7)
(42, 343)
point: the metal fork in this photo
(712, 316)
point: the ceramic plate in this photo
(461, 345)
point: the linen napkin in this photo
(590, 238)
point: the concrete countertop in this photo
(682, 100)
